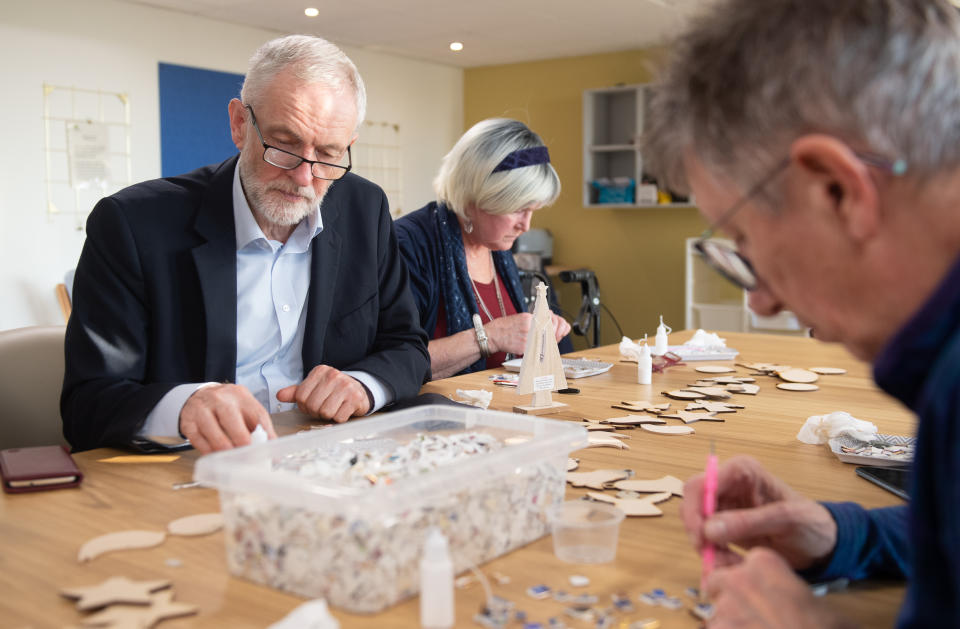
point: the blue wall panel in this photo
(194, 125)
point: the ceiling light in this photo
(456, 46)
(311, 12)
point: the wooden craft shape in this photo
(572, 464)
(541, 371)
(829, 371)
(797, 386)
(592, 425)
(201, 524)
(669, 484)
(798, 375)
(713, 407)
(748, 389)
(161, 608)
(669, 430)
(642, 406)
(679, 394)
(732, 380)
(597, 479)
(644, 507)
(114, 590)
(605, 440)
(714, 369)
(716, 393)
(123, 540)
(633, 420)
(688, 418)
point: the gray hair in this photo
(311, 59)
(466, 174)
(750, 77)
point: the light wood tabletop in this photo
(42, 532)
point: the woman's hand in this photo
(509, 334)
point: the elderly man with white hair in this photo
(204, 302)
(823, 136)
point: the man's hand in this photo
(222, 416)
(756, 509)
(763, 591)
(328, 393)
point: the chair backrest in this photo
(31, 378)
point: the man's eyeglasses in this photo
(726, 260)
(288, 161)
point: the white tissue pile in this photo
(819, 429)
(706, 340)
(480, 397)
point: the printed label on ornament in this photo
(543, 383)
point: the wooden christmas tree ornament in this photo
(541, 371)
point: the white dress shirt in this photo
(273, 281)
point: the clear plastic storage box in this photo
(296, 521)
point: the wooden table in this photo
(42, 532)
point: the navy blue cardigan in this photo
(432, 247)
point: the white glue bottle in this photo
(660, 346)
(436, 583)
(644, 365)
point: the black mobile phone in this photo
(894, 479)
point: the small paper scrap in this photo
(480, 398)
(311, 615)
(819, 429)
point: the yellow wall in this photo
(636, 254)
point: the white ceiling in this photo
(492, 31)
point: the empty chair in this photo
(31, 377)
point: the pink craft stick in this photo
(708, 552)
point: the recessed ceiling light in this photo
(311, 12)
(456, 46)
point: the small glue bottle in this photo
(660, 346)
(436, 583)
(644, 365)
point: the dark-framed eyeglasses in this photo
(286, 160)
(726, 260)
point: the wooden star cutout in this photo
(605, 439)
(713, 407)
(688, 418)
(162, 607)
(733, 380)
(631, 420)
(642, 406)
(114, 590)
(669, 484)
(711, 392)
(597, 478)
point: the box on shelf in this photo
(647, 194)
(299, 518)
(615, 190)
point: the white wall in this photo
(114, 46)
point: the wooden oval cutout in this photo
(797, 386)
(798, 375)
(829, 371)
(714, 369)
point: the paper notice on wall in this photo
(87, 145)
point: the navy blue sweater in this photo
(921, 541)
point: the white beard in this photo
(265, 201)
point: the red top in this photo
(488, 293)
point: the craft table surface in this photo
(41, 532)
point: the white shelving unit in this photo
(714, 304)
(613, 119)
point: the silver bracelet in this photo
(482, 337)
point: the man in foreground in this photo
(824, 138)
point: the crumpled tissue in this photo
(629, 349)
(819, 429)
(707, 340)
(311, 615)
(480, 397)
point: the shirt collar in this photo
(902, 367)
(247, 230)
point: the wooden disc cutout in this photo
(798, 375)
(829, 371)
(669, 430)
(797, 386)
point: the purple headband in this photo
(524, 157)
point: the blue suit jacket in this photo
(155, 300)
